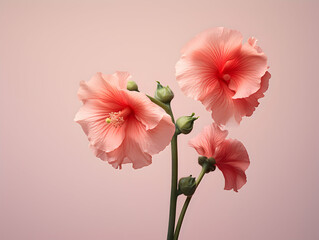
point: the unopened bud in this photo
(164, 94)
(209, 162)
(185, 124)
(187, 185)
(132, 86)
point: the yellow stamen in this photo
(108, 120)
(117, 118)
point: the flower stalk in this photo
(174, 178)
(205, 169)
(173, 200)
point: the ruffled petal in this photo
(208, 140)
(95, 88)
(221, 42)
(154, 140)
(246, 106)
(246, 71)
(98, 88)
(232, 159)
(145, 111)
(128, 152)
(118, 79)
(220, 103)
(91, 117)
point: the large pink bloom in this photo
(122, 126)
(228, 77)
(230, 155)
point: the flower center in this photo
(117, 119)
(226, 77)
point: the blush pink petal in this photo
(92, 89)
(246, 106)
(220, 100)
(145, 111)
(91, 117)
(154, 140)
(250, 66)
(232, 159)
(118, 79)
(217, 69)
(99, 88)
(208, 140)
(139, 145)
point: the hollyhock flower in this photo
(230, 155)
(122, 126)
(227, 76)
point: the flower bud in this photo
(210, 162)
(185, 123)
(164, 94)
(132, 86)
(187, 185)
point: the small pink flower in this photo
(122, 126)
(228, 77)
(230, 155)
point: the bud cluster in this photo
(209, 162)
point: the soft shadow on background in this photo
(51, 185)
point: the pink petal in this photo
(128, 152)
(247, 71)
(221, 104)
(246, 106)
(222, 41)
(98, 88)
(93, 89)
(154, 140)
(145, 111)
(91, 117)
(118, 79)
(232, 159)
(253, 42)
(139, 144)
(208, 140)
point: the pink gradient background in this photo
(51, 185)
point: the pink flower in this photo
(228, 77)
(230, 155)
(122, 126)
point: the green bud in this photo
(185, 123)
(187, 185)
(132, 86)
(164, 94)
(210, 162)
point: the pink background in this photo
(51, 185)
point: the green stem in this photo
(174, 194)
(172, 210)
(187, 201)
(166, 107)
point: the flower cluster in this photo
(228, 77)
